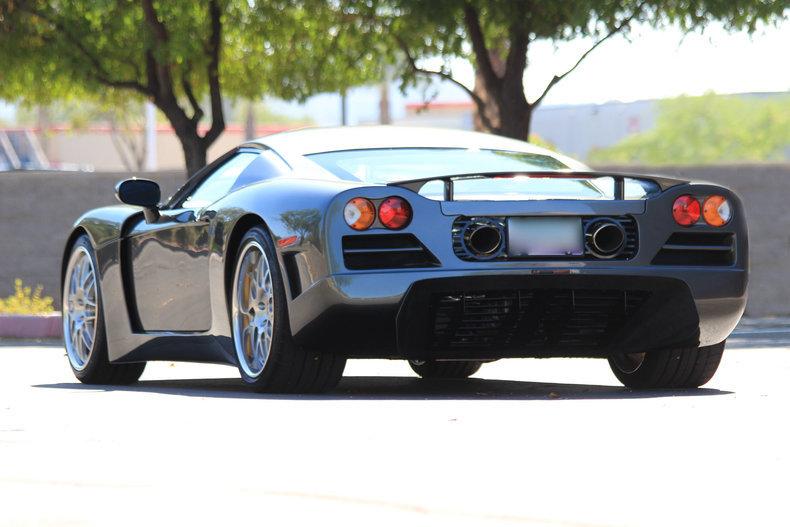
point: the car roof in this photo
(316, 140)
(306, 141)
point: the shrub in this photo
(26, 301)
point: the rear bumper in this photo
(545, 312)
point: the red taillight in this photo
(686, 210)
(394, 212)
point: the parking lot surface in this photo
(525, 442)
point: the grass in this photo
(26, 301)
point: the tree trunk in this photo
(509, 115)
(195, 153)
(504, 104)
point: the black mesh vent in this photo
(386, 251)
(697, 248)
(531, 319)
(628, 223)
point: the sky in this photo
(649, 64)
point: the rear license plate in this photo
(545, 237)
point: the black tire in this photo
(679, 368)
(456, 369)
(98, 369)
(288, 368)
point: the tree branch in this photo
(446, 76)
(161, 69)
(158, 28)
(215, 92)
(197, 111)
(100, 72)
(622, 25)
(472, 20)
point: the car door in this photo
(169, 258)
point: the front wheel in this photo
(268, 359)
(83, 323)
(668, 368)
(450, 369)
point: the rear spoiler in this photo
(663, 182)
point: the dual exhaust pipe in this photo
(604, 238)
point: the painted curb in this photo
(31, 326)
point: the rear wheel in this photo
(669, 368)
(267, 357)
(455, 369)
(83, 323)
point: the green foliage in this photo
(289, 48)
(26, 301)
(708, 129)
(185, 56)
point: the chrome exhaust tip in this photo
(605, 238)
(483, 240)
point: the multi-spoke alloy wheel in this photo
(80, 307)
(269, 359)
(253, 309)
(83, 322)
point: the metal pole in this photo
(343, 108)
(150, 137)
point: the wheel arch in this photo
(75, 235)
(240, 228)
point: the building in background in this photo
(574, 130)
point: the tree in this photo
(708, 129)
(496, 35)
(183, 56)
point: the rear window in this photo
(387, 165)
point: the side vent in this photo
(697, 248)
(386, 251)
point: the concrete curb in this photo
(47, 326)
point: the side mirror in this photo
(142, 193)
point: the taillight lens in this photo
(716, 211)
(359, 213)
(394, 212)
(686, 210)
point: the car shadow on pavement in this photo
(398, 388)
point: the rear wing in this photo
(662, 182)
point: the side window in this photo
(267, 165)
(219, 183)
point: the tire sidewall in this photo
(281, 337)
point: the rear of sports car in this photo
(643, 269)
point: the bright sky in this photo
(661, 63)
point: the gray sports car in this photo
(449, 249)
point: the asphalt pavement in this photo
(525, 442)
